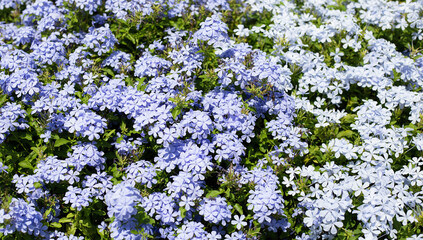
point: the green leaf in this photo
(228, 193)
(349, 118)
(65, 220)
(213, 193)
(254, 231)
(263, 135)
(175, 112)
(123, 129)
(71, 228)
(39, 150)
(109, 71)
(183, 212)
(3, 99)
(131, 38)
(141, 87)
(117, 174)
(27, 136)
(31, 156)
(88, 230)
(55, 225)
(238, 208)
(140, 80)
(414, 127)
(61, 141)
(109, 134)
(26, 164)
(78, 94)
(45, 215)
(144, 218)
(346, 133)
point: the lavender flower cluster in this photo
(198, 134)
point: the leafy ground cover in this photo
(253, 119)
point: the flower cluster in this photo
(12, 118)
(100, 40)
(22, 217)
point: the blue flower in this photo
(216, 210)
(90, 6)
(85, 154)
(191, 230)
(197, 124)
(24, 218)
(86, 123)
(52, 169)
(11, 118)
(141, 172)
(151, 66)
(49, 51)
(17, 59)
(212, 30)
(77, 197)
(161, 207)
(265, 201)
(236, 236)
(3, 168)
(119, 61)
(98, 184)
(121, 201)
(100, 40)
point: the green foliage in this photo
(258, 41)
(208, 79)
(77, 20)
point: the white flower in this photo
(238, 221)
(241, 31)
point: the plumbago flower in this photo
(118, 60)
(149, 65)
(49, 51)
(3, 168)
(100, 40)
(215, 210)
(211, 119)
(12, 118)
(122, 201)
(85, 154)
(22, 217)
(89, 6)
(212, 30)
(84, 122)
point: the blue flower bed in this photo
(125, 119)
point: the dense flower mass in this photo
(165, 119)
